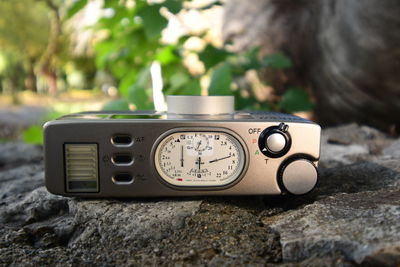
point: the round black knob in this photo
(298, 176)
(274, 142)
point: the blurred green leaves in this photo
(192, 88)
(174, 6)
(118, 104)
(140, 93)
(153, 21)
(179, 79)
(33, 135)
(167, 55)
(296, 100)
(211, 56)
(76, 6)
(221, 80)
(277, 61)
(133, 43)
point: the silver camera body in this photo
(201, 146)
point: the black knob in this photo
(274, 142)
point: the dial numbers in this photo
(199, 159)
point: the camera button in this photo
(276, 142)
(298, 176)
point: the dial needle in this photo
(214, 160)
(181, 156)
(198, 145)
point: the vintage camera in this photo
(200, 146)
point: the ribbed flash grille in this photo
(81, 167)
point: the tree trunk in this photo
(347, 51)
(51, 80)
(30, 80)
(46, 65)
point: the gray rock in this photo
(21, 116)
(358, 177)
(355, 226)
(337, 154)
(18, 153)
(14, 183)
(350, 143)
(14, 119)
(351, 218)
(389, 256)
(132, 221)
(393, 151)
(355, 134)
(34, 207)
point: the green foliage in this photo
(191, 88)
(277, 61)
(295, 100)
(211, 56)
(23, 36)
(33, 135)
(221, 80)
(153, 21)
(133, 43)
(33, 48)
(140, 93)
(120, 104)
(23, 30)
(75, 8)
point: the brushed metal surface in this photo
(200, 105)
(275, 142)
(299, 177)
(259, 178)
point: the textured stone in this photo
(358, 177)
(350, 143)
(353, 217)
(354, 225)
(133, 221)
(15, 182)
(17, 154)
(34, 207)
(388, 256)
(15, 118)
(393, 151)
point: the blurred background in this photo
(332, 62)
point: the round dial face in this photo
(199, 159)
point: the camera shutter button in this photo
(276, 142)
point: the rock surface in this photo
(13, 119)
(352, 218)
